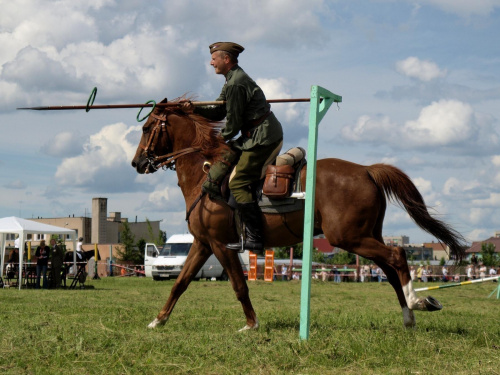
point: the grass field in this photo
(355, 329)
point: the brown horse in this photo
(349, 210)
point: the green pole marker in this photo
(321, 100)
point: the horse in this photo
(82, 258)
(349, 210)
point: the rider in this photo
(246, 111)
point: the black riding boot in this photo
(252, 218)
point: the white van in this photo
(167, 262)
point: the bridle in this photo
(166, 161)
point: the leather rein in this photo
(166, 161)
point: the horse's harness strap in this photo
(155, 132)
(168, 159)
(188, 212)
(173, 156)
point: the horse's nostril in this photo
(134, 164)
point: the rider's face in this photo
(220, 62)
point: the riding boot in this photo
(252, 219)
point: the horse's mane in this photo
(207, 137)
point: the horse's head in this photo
(155, 142)
(169, 134)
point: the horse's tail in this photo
(397, 186)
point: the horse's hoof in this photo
(408, 318)
(432, 304)
(155, 323)
(247, 327)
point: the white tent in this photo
(24, 227)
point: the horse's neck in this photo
(190, 176)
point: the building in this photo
(100, 229)
(418, 253)
(439, 250)
(396, 240)
(476, 245)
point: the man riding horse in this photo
(247, 111)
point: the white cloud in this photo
(492, 201)
(478, 215)
(422, 70)
(423, 185)
(167, 198)
(442, 123)
(478, 234)
(104, 163)
(279, 89)
(368, 129)
(455, 187)
(64, 144)
(496, 160)
(286, 23)
(440, 126)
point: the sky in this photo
(420, 82)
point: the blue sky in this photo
(420, 82)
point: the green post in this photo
(321, 100)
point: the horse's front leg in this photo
(196, 258)
(230, 261)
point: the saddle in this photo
(275, 189)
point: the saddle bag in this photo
(278, 182)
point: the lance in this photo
(148, 104)
(90, 105)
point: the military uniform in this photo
(247, 112)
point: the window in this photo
(151, 251)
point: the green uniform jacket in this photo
(245, 102)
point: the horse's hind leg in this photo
(392, 260)
(196, 258)
(232, 265)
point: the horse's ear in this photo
(164, 100)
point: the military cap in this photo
(233, 48)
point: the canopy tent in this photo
(24, 227)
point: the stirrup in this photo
(237, 246)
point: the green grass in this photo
(355, 329)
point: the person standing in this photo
(57, 259)
(444, 271)
(420, 271)
(482, 271)
(425, 272)
(247, 112)
(469, 272)
(362, 274)
(42, 254)
(284, 273)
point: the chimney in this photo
(99, 220)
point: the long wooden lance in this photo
(146, 105)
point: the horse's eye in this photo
(145, 130)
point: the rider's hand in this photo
(187, 106)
